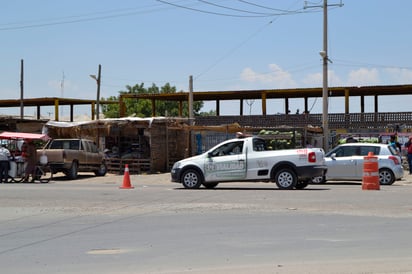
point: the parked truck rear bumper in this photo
(308, 172)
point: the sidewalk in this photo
(407, 178)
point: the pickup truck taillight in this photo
(312, 157)
(395, 160)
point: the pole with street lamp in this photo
(98, 81)
(324, 54)
(325, 60)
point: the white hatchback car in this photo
(345, 162)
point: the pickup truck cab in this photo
(73, 155)
(248, 159)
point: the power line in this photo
(349, 63)
(230, 8)
(103, 15)
(236, 47)
(227, 14)
(260, 6)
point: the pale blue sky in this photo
(239, 45)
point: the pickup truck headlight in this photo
(176, 165)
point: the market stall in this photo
(16, 143)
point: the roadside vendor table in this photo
(17, 169)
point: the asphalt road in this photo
(90, 225)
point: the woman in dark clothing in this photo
(31, 159)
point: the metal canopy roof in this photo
(48, 101)
(285, 94)
(278, 93)
(220, 95)
(53, 101)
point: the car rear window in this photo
(355, 150)
(364, 150)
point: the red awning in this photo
(23, 135)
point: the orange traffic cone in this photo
(126, 178)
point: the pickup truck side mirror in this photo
(333, 156)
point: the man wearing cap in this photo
(408, 145)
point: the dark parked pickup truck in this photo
(73, 155)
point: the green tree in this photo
(209, 113)
(111, 110)
(143, 107)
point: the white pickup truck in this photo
(247, 159)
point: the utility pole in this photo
(98, 93)
(325, 60)
(191, 115)
(62, 92)
(98, 81)
(21, 89)
(325, 99)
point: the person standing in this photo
(4, 163)
(31, 158)
(408, 146)
(395, 144)
(350, 139)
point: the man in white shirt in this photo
(4, 164)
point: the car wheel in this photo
(302, 184)
(319, 180)
(285, 178)
(191, 179)
(72, 174)
(386, 176)
(210, 185)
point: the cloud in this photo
(277, 77)
(316, 79)
(313, 80)
(364, 77)
(399, 75)
(361, 77)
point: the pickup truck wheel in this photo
(102, 170)
(285, 178)
(210, 185)
(191, 179)
(72, 174)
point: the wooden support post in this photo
(56, 109)
(264, 103)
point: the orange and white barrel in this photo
(370, 179)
